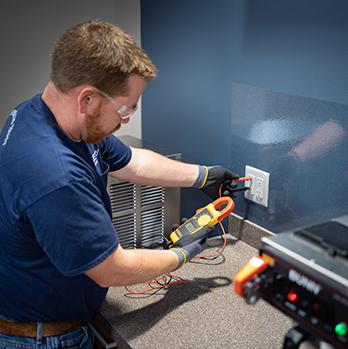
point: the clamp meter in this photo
(198, 226)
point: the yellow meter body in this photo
(198, 226)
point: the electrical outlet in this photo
(259, 185)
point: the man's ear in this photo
(87, 101)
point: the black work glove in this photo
(187, 252)
(210, 179)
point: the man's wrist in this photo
(201, 178)
(181, 255)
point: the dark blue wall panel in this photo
(248, 82)
(303, 143)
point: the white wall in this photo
(28, 29)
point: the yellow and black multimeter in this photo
(198, 226)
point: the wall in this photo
(262, 83)
(27, 32)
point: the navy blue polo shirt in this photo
(55, 216)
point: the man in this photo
(60, 252)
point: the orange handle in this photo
(255, 266)
(224, 200)
(242, 179)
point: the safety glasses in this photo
(122, 111)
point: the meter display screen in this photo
(190, 227)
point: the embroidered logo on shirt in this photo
(95, 158)
(13, 116)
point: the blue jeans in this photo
(82, 338)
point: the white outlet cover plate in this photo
(258, 195)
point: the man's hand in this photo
(187, 252)
(210, 179)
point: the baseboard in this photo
(246, 231)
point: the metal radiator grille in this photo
(151, 195)
(152, 227)
(126, 229)
(142, 214)
(138, 213)
(123, 203)
(122, 196)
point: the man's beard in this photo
(95, 133)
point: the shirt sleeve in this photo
(73, 227)
(115, 153)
